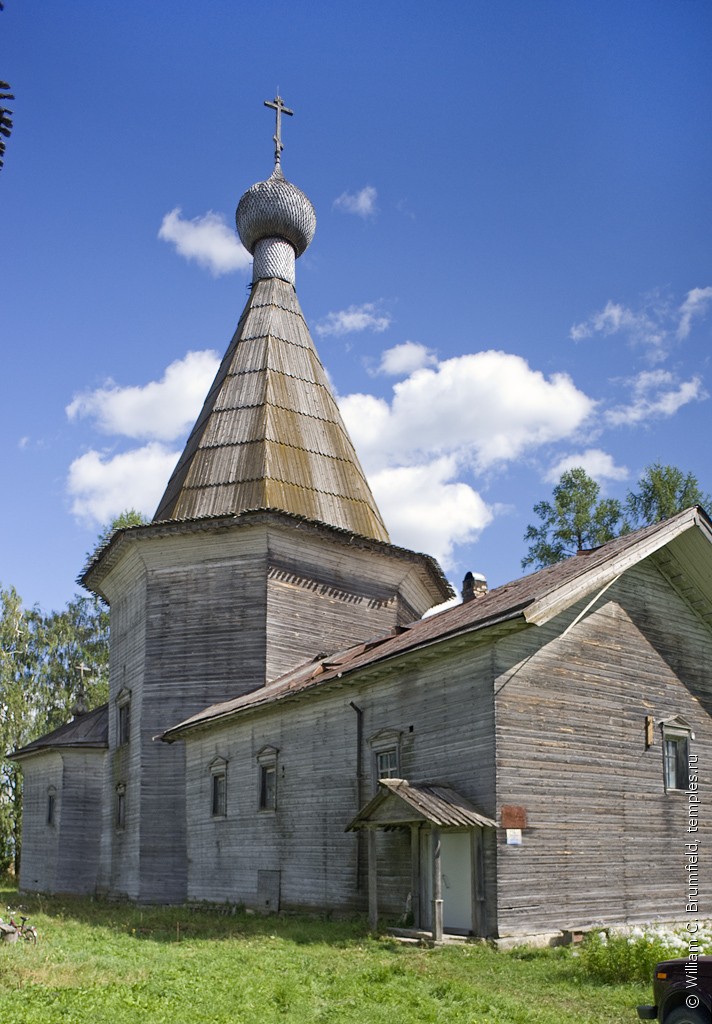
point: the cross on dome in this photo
(277, 104)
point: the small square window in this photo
(219, 795)
(268, 787)
(676, 749)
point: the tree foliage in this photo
(662, 492)
(576, 518)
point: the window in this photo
(385, 746)
(218, 787)
(268, 787)
(121, 805)
(51, 805)
(676, 749)
(123, 717)
(387, 763)
(267, 763)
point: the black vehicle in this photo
(682, 990)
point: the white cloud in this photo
(355, 318)
(103, 486)
(598, 464)
(657, 325)
(405, 358)
(161, 410)
(427, 509)
(207, 240)
(644, 327)
(695, 305)
(655, 394)
(485, 408)
(362, 203)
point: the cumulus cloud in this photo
(160, 410)
(695, 305)
(207, 240)
(598, 464)
(362, 203)
(485, 408)
(356, 318)
(101, 486)
(427, 509)
(655, 394)
(405, 358)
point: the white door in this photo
(456, 870)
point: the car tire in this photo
(685, 1015)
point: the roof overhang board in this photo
(686, 563)
(600, 576)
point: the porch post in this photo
(372, 881)
(437, 889)
(415, 874)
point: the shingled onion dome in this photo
(276, 222)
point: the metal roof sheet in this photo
(518, 599)
(88, 730)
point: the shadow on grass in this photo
(178, 923)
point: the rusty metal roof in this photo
(438, 804)
(531, 598)
(270, 434)
(85, 731)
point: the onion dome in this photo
(275, 209)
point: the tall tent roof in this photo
(270, 435)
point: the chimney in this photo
(474, 585)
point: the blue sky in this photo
(510, 275)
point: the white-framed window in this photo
(267, 778)
(120, 818)
(51, 805)
(385, 748)
(218, 787)
(676, 755)
(123, 717)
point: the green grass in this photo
(113, 963)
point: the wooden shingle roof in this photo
(270, 434)
(681, 548)
(399, 802)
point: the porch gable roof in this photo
(399, 802)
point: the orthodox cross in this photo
(278, 105)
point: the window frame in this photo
(123, 718)
(385, 743)
(218, 788)
(51, 818)
(675, 775)
(267, 795)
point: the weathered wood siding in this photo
(442, 709)
(604, 842)
(200, 618)
(62, 856)
(40, 845)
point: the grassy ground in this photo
(112, 964)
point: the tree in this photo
(576, 519)
(662, 492)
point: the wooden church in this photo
(285, 730)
